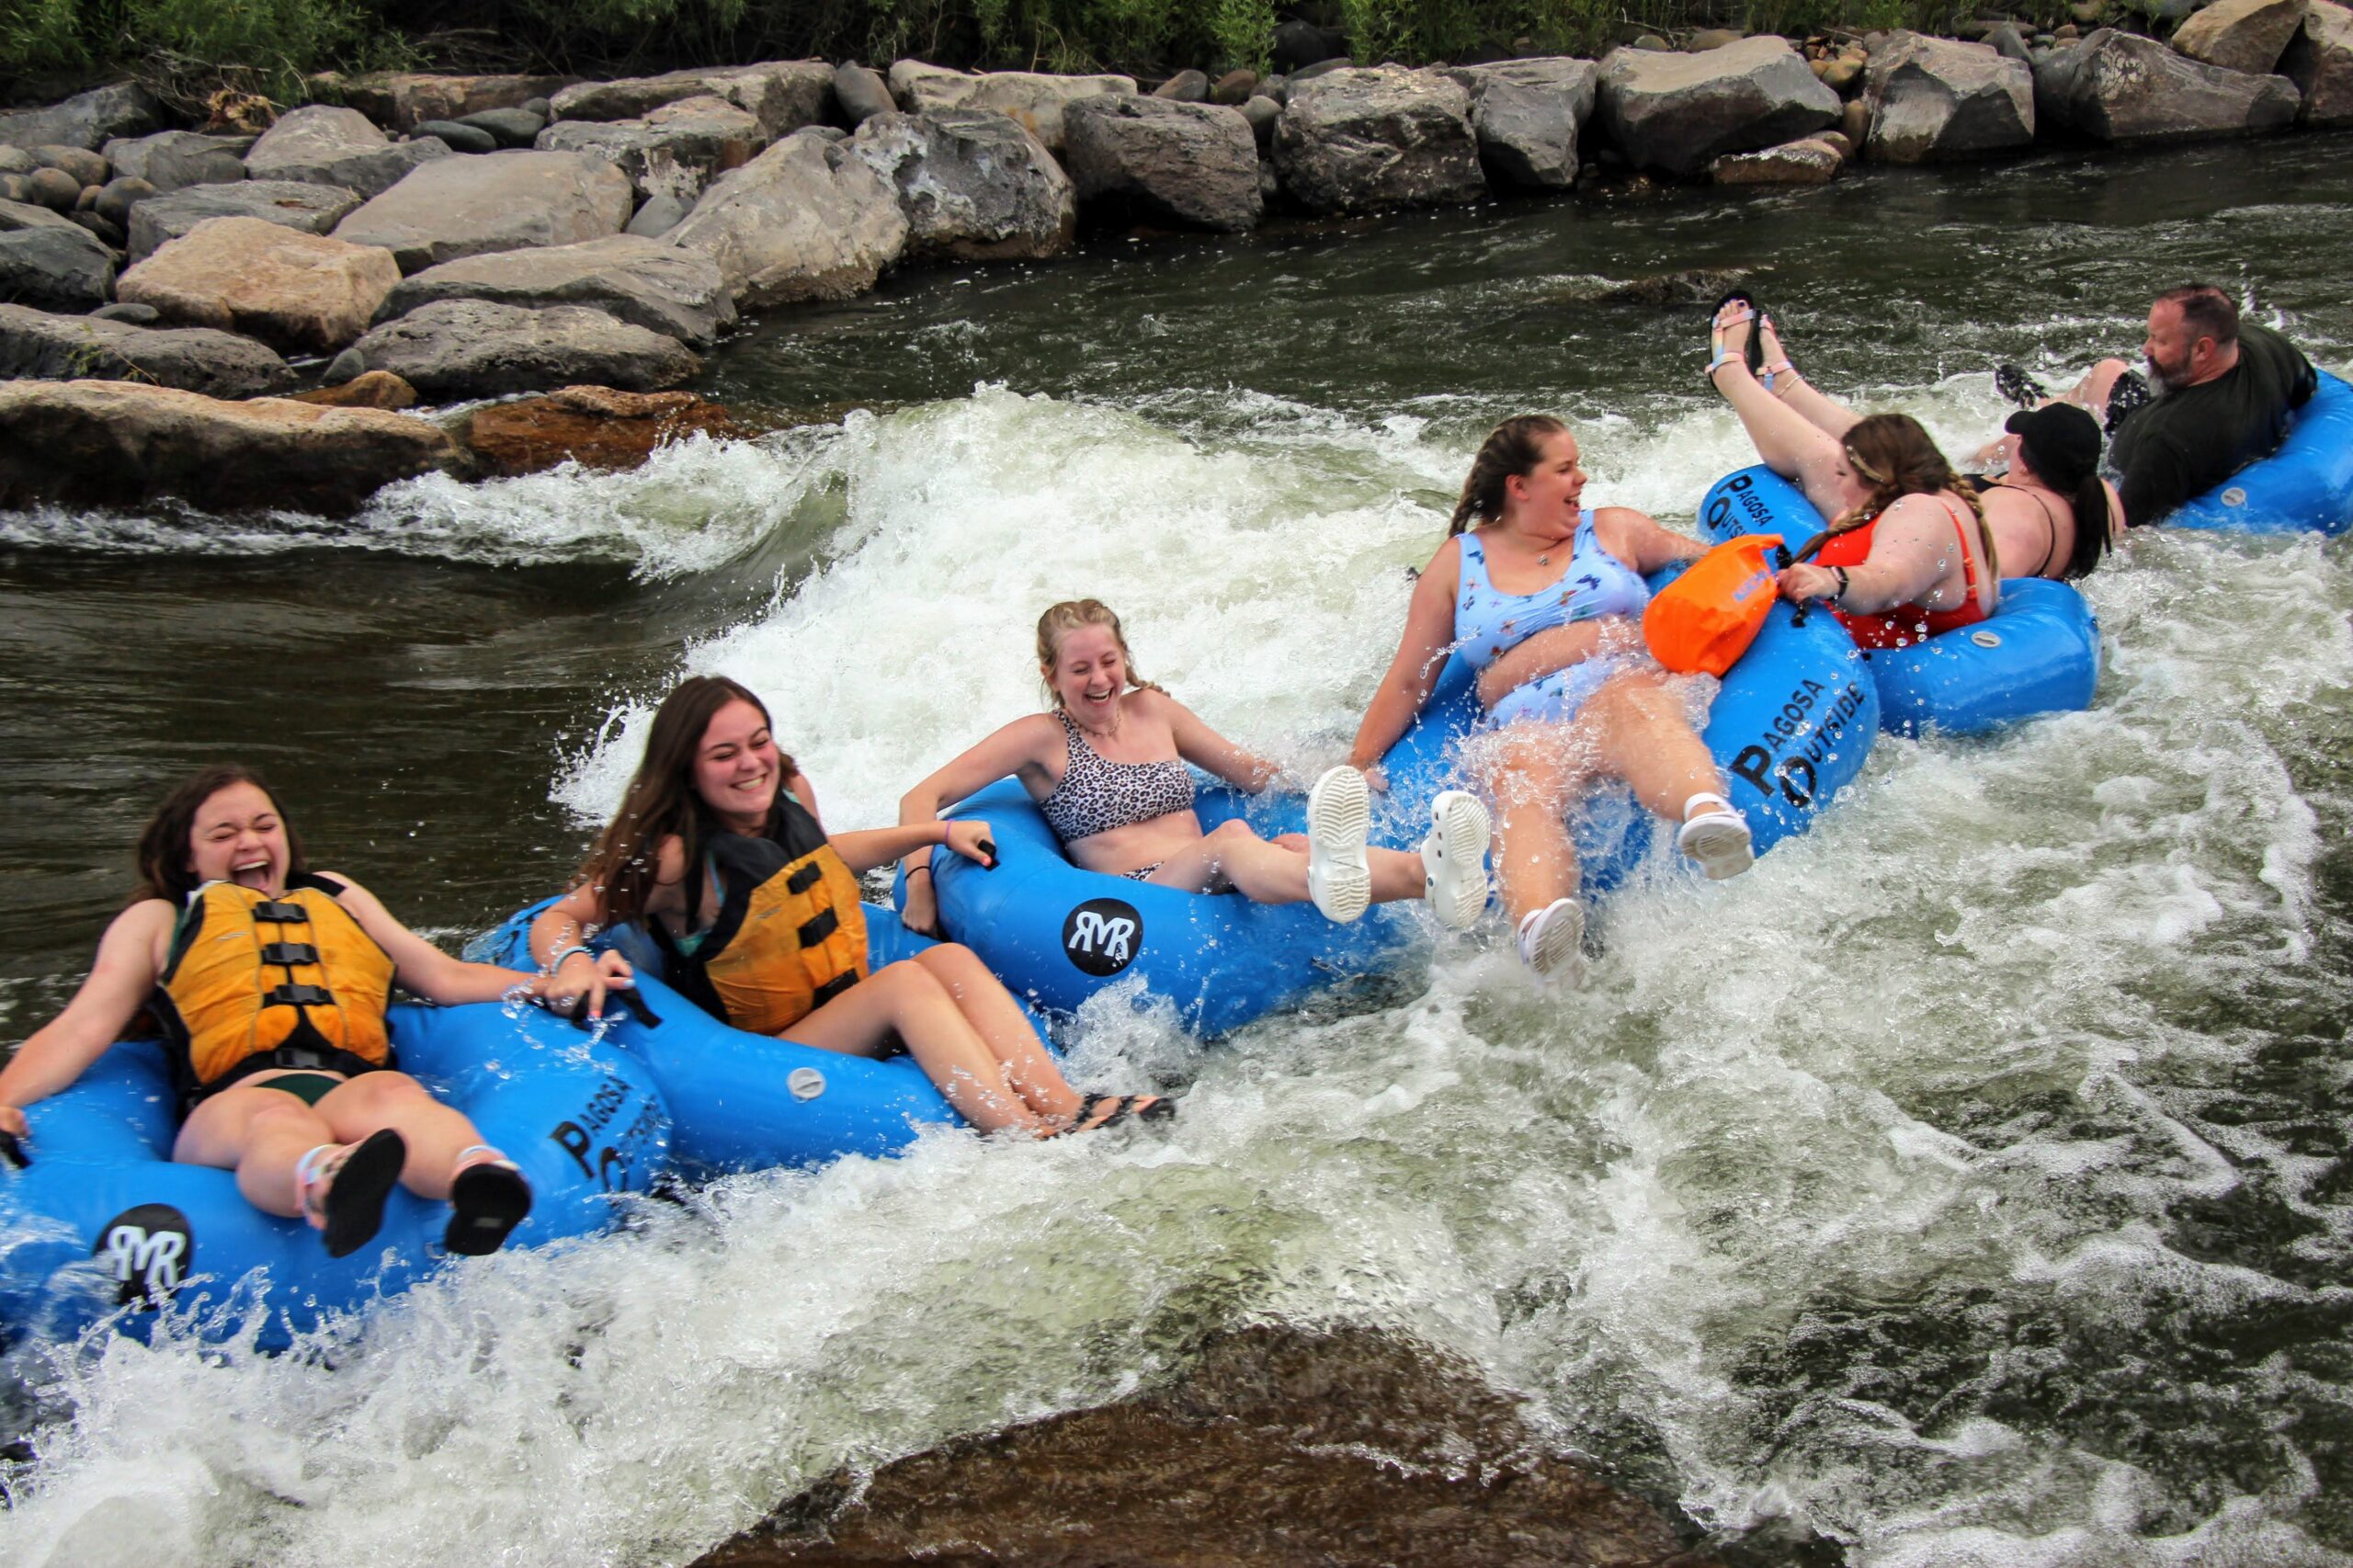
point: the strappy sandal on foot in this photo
(2016, 386)
(1718, 839)
(1339, 815)
(1454, 859)
(1124, 1108)
(487, 1200)
(1551, 941)
(358, 1178)
(1752, 352)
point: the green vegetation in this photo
(270, 44)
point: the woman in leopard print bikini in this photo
(1107, 767)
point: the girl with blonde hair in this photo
(1107, 767)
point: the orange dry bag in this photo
(1706, 619)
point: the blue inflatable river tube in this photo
(741, 1101)
(103, 1223)
(2305, 486)
(1793, 725)
(2038, 653)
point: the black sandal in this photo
(2016, 386)
(1139, 1108)
(487, 1202)
(353, 1207)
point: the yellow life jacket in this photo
(256, 983)
(790, 934)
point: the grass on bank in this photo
(53, 45)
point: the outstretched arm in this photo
(1014, 750)
(1213, 753)
(1421, 652)
(120, 983)
(435, 976)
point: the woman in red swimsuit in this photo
(1909, 554)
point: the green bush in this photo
(42, 35)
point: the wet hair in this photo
(1060, 620)
(167, 845)
(2208, 311)
(1896, 457)
(1513, 448)
(2085, 493)
(663, 802)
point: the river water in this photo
(1968, 1185)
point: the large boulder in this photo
(1356, 141)
(679, 293)
(2320, 62)
(49, 263)
(783, 95)
(2242, 35)
(314, 209)
(39, 346)
(806, 219)
(596, 427)
(118, 444)
(1677, 113)
(298, 292)
(1164, 162)
(406, 100)
(1526, 114)
(89, 120)
(460, 207)
(1808, 161)
(462, 348)
(325, 144)
(1037, 100)
(672, 150)
(974, 184)
(2121, 88)
(173, 160)
(1934, 98)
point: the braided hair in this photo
(1512, 449)
(1894, 456)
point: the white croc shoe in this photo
(1339, 815)
(1551, 941)
(1454, 859)
(1719, 840)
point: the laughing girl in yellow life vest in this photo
(270, 981)
(717, 852)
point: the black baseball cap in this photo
(2061, 440)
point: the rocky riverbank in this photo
(452, 238)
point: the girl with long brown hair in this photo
(717, 854)
(270, 981)
(1908, 554)
(1106, 766)
(1544, 597)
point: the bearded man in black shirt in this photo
(2223, 392)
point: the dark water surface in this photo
(1971, 1184)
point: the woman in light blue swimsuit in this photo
(1544, 598)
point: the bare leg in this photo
(1817, 408)
(2091, 393)
(434, 1132)
(1230, 858)
(1640, 732)
(258, 1133)
(1788, 443)
(1533, 775)
(905, 997)
(1003, 1028)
